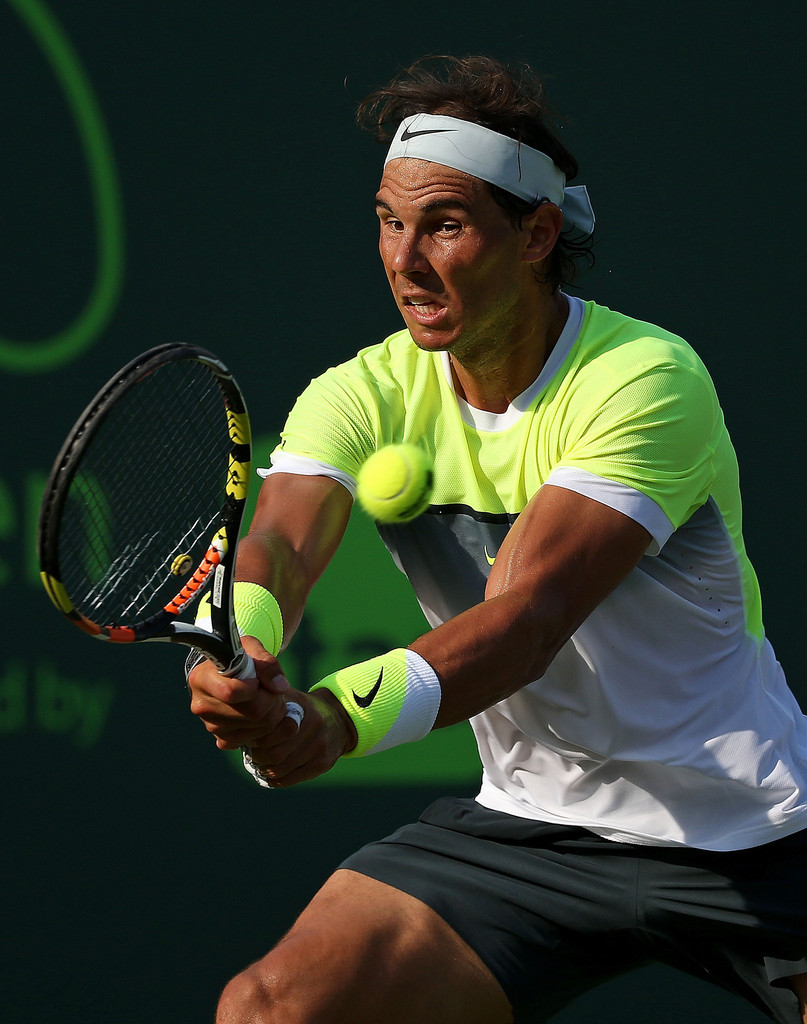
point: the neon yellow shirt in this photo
(645, 723)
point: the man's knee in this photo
(261, 994)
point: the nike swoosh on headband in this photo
(406, 135)
(517, 168)
(368, 698)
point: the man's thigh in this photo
(547, 912)
(363, 952)
(554, 911)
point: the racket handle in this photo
(245, 669)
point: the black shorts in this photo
(554, 911)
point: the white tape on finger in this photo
(293, 710)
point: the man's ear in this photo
(543, 226)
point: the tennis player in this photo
(595, 616)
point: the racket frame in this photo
(222, 645)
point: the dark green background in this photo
(139, 870)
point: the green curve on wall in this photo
(64, 346)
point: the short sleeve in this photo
(655, 432)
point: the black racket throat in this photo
(144, 504)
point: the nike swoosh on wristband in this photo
(368, 698)
(406, 135)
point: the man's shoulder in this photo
(395, 360)
(622, 341)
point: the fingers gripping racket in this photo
(144, 504)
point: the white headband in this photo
(497, 159)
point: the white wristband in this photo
(391, 699)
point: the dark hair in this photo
(507, 100)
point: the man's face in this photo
(453, 258)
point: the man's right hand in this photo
(251, 713)
(242, 712)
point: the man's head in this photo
(506, 101)
(461, 271)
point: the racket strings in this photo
(148, 495)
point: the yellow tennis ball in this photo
(395, 484)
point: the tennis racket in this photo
(143, 507)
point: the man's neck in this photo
(494, 378)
